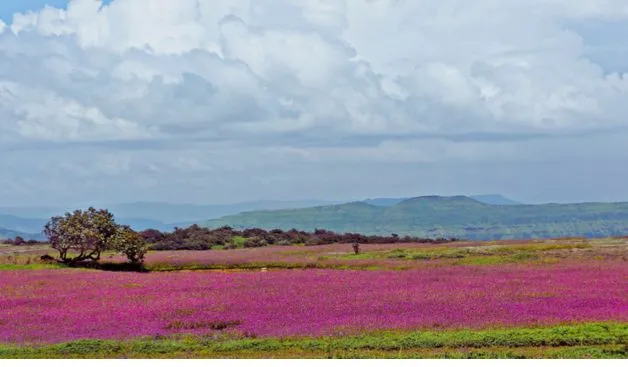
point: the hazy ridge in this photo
(458, 216)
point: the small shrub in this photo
(356, 248)
(255, 242)
(131, 244)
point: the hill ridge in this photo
(455, 216)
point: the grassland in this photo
(561, 298)
(597, 340)
(395, 257)
(341, 256)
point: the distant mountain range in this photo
(7, 233)
(18, 224)
(189, 213)
(28, 222)
(480, 217)
(493, 199)
(31, 228)
(457, 216)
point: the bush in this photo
(255, 242)
(152, 235)
(253, 232)
(170, 245)
(131, 244)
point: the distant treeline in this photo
(19, 241)
(199, 238)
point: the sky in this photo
(205, 101)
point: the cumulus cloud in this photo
(300, 82)
(145, 67)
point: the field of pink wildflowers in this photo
(46, 306)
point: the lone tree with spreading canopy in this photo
(84, 235)
(81, 235)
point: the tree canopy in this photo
(85, 235)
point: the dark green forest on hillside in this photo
(458, 216)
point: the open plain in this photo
(558, 298)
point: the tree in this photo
(85, 234)
(131, 244)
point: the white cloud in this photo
(293, 80)
(292, 65)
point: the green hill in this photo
(435, 216)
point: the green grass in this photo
(597, 340)
(476, 255)
(492, 253)
(33, 266)
(479, 255)
(238, 241)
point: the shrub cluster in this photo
(191, 238)
(197, 238)
(19, 241)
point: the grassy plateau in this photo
(561, 298)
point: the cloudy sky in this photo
(218, 101)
